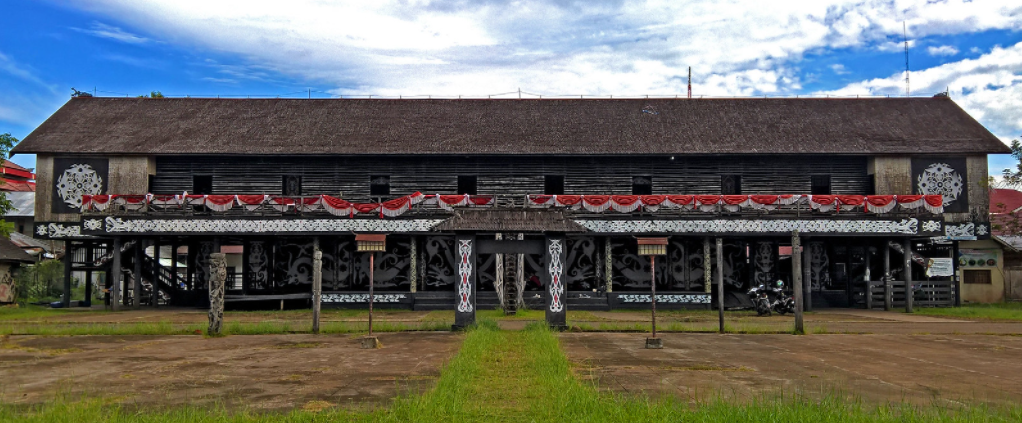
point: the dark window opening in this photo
(642, 185)
(731, 184)
(202, 184)
(820, 185)
(467, 185)
(976, 276)
(379, 185)
(872, 188)
(553, 184)
(149, 183)
(291, 185)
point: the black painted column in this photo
(553, 282)
(157, 272)
(89, 254)
(116, 275)
(136, 290)
(465, 305)
(69, 253)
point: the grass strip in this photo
(995, 311)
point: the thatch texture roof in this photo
(510, 221)
(570, 127)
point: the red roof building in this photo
(16, 178)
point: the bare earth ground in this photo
(915, 368)
(885, 356)
(258, 371)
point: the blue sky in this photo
(476, 48)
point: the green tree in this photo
(1013, 177)
(7, 142)
(39, 282)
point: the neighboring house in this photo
(512, 202)
(1006, 218)
(11, 256)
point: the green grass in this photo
(501, 376)
(33, 312)
(996, 311)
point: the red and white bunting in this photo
(252, 202)
(880, 203)
(932, 203)
(219, 203)
(823, 203)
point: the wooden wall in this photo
(348, 177)
(893, 175)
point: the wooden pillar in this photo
(107, 287)
(888, 296)
(413, 265)
(69, 253)
(174, 278)
(217, 277)
(465, 307)
(193, 248)
(553, 282)
(136, 289)
(807, 278)
(89, 254)
(720, 282)
(608, 264)
(115, 274)
(157, 272)
(869, 284)
(907, 246)
(707, 267)
(957, 281)
(796, 276)
(317, 283)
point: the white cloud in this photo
(839, 69)
(941, 51)
(989, 87)
(455, 47)
(101, 30)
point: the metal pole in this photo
(907, 246)
(796, 274)
(720, 282)
(652, 272)
(372, 269)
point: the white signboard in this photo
(940, 267)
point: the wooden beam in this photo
(136, 289)
(888, 297)
(218, 274)
(907, 246)
(69, 252)
(115, 274)
(796, 274)
(157, 268)
(720, 282)
(807, 279)
(317, 283)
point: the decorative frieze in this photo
(665, 298)
(364, 298)
(119, 225)
(908, 226)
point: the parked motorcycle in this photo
(772, 299)
(760, 299)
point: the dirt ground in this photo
(885, 356)
(917, 368)
(259, 371)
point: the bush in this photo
(41, 281)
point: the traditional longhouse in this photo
(538, 203)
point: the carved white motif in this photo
(905, 226)
(556, 269)
(114, 224)
(965, 229)
(92, 224)
(465, 273)
(362, 298)
(939, 178)
(981, 230)
(77, 180)
(931, 226)
(58, 230)
(666, 298)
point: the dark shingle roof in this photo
(12, 253)
(510, 221)
(614, 127)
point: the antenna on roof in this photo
(904, 29)
(690, 82)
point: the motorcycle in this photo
(760, 299)
(773, 299)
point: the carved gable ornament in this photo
(73, 177)
(944, 176)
